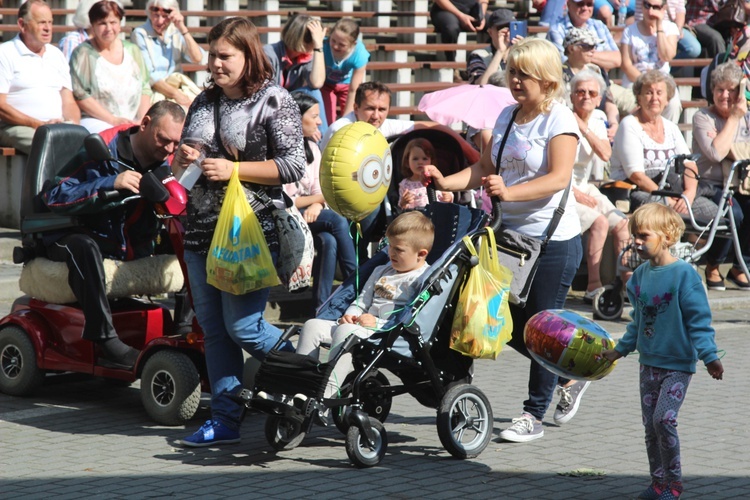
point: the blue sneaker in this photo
(211, 433)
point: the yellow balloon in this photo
(356, 170)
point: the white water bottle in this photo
(622, 13)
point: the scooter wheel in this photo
(170, 388)
(19, 374)
(608, 304)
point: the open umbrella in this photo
(475, 105)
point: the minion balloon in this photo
(355, 170)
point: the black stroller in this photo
(413, 345)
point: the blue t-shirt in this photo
(341, 72)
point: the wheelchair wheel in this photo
(284, 433)
(608, 304)
(19, 375)
(170, 388)
(374, 404)
(360, 452)
(464, 421)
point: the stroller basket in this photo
(282, 370)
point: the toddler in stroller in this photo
(412, 344)
(410, 237)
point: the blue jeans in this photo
(721, 247)
(230, 324)
(333, 243)
(557, 268)
(688, 47)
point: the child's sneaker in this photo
(570, 399)
(652, 492)
(525, 428)
(672, 491)
(211, 433)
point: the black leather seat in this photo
(53, 146)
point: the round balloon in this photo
(568, 344)
(355, 170)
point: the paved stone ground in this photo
(82, 438)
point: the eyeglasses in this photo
(161, 12)
(650, 6)
(584, 4)
(583, 92)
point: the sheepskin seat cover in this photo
(46, 280)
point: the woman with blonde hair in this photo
(529, 168)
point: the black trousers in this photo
(87, 280)
(448, 25)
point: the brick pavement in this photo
(82, 438)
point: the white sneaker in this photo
(588, 297)
(570, 399)
(525, 428)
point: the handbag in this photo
(482, 324)
(296, 248)
(518, 252)
(238, 259)
(731, 13)
(741, 179)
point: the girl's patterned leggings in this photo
(662, 394)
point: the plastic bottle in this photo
(622, 13)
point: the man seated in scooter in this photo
(109, 227)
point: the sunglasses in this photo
(650, 6)
(583, 92)
(587, 46)
(584, 4)
(160, 11)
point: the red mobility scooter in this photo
(42, 334)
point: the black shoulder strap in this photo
(505, 138)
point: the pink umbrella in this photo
(475, 105)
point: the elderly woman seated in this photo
(598, 215)
(166, 43)
(110, 80)
(644, 144)
(719, 132)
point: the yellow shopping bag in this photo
(482, 324)
(238, 259)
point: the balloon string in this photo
(357, 234)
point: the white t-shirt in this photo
(634, 151)
(587, 162)
(389, 128)
(32, 83)
(643, 52)
(524, 158)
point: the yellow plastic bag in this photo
(482, 324)
(238, 259)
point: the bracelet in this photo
(318, 50)
(660, 31)
(186, 33)
(585, 132)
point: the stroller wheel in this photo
(375, 404)
(359, 450)
(464, 421)
(608, 303)
(284, 433)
